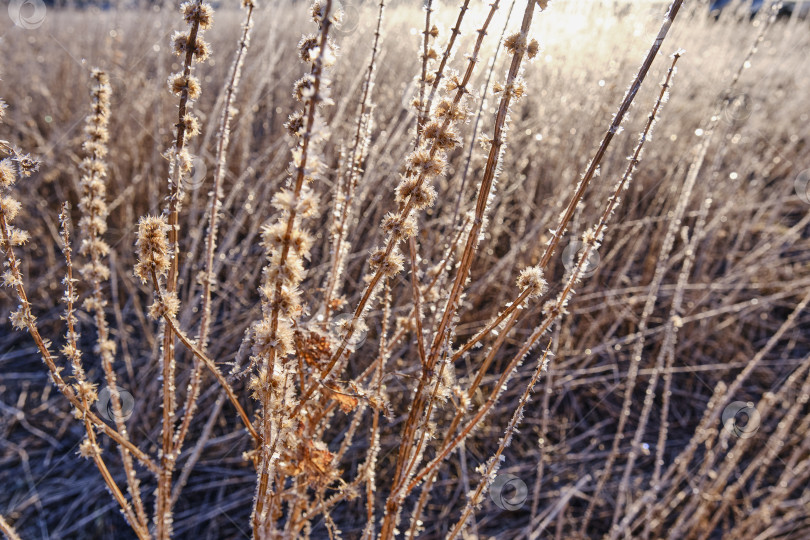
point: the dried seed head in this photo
(21, 318)
(179, 83)
(531, 278)
(9, 207)
(447, 109)
(203, 14)
(309, 48)
(422, 194)
(191, 125)
(304, 88)
(266, 341)
(153, 247)
(182, 45)
(533, 48)
(168, 307)
(273, 238)
(444, 137)
(393, 225)
(516, 43)
(295, 124)
(389, 265)
(421, 162)
(88, 449)
(7, 173)
(26, 164)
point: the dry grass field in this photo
(483, 270)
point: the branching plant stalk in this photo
(425, 105)
(262, 498)
(403, 214)
(451, 307)
(91, 447)
(354, 172)
(59, 382)
(167, 460)
(223, 138)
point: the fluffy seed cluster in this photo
(389, 264)
(92, 185)
(153, 248)
(286, 242)
(15, 165)
(191, 47)
(519, 44)
(168, 304)
(531, 278)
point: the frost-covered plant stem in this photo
(493, 463)
(288, 246)
(89, 447)
(190, 47)
(651, 297)
(404, 463)
(413, 194)
(93, 224)
(23, 319)
(223, 138)
(425, 104)
(593, 166)
(345, 199)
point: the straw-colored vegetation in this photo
(507, 269)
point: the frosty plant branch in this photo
(582, 186)
(191, 48)
(435, 78)
(554, 308)
(89, 447)
(93, 225)
(344, 200)
(492, 465)
(412, 194)
(288, 245)
(223, 138)
(23, 319)
(519, 45)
